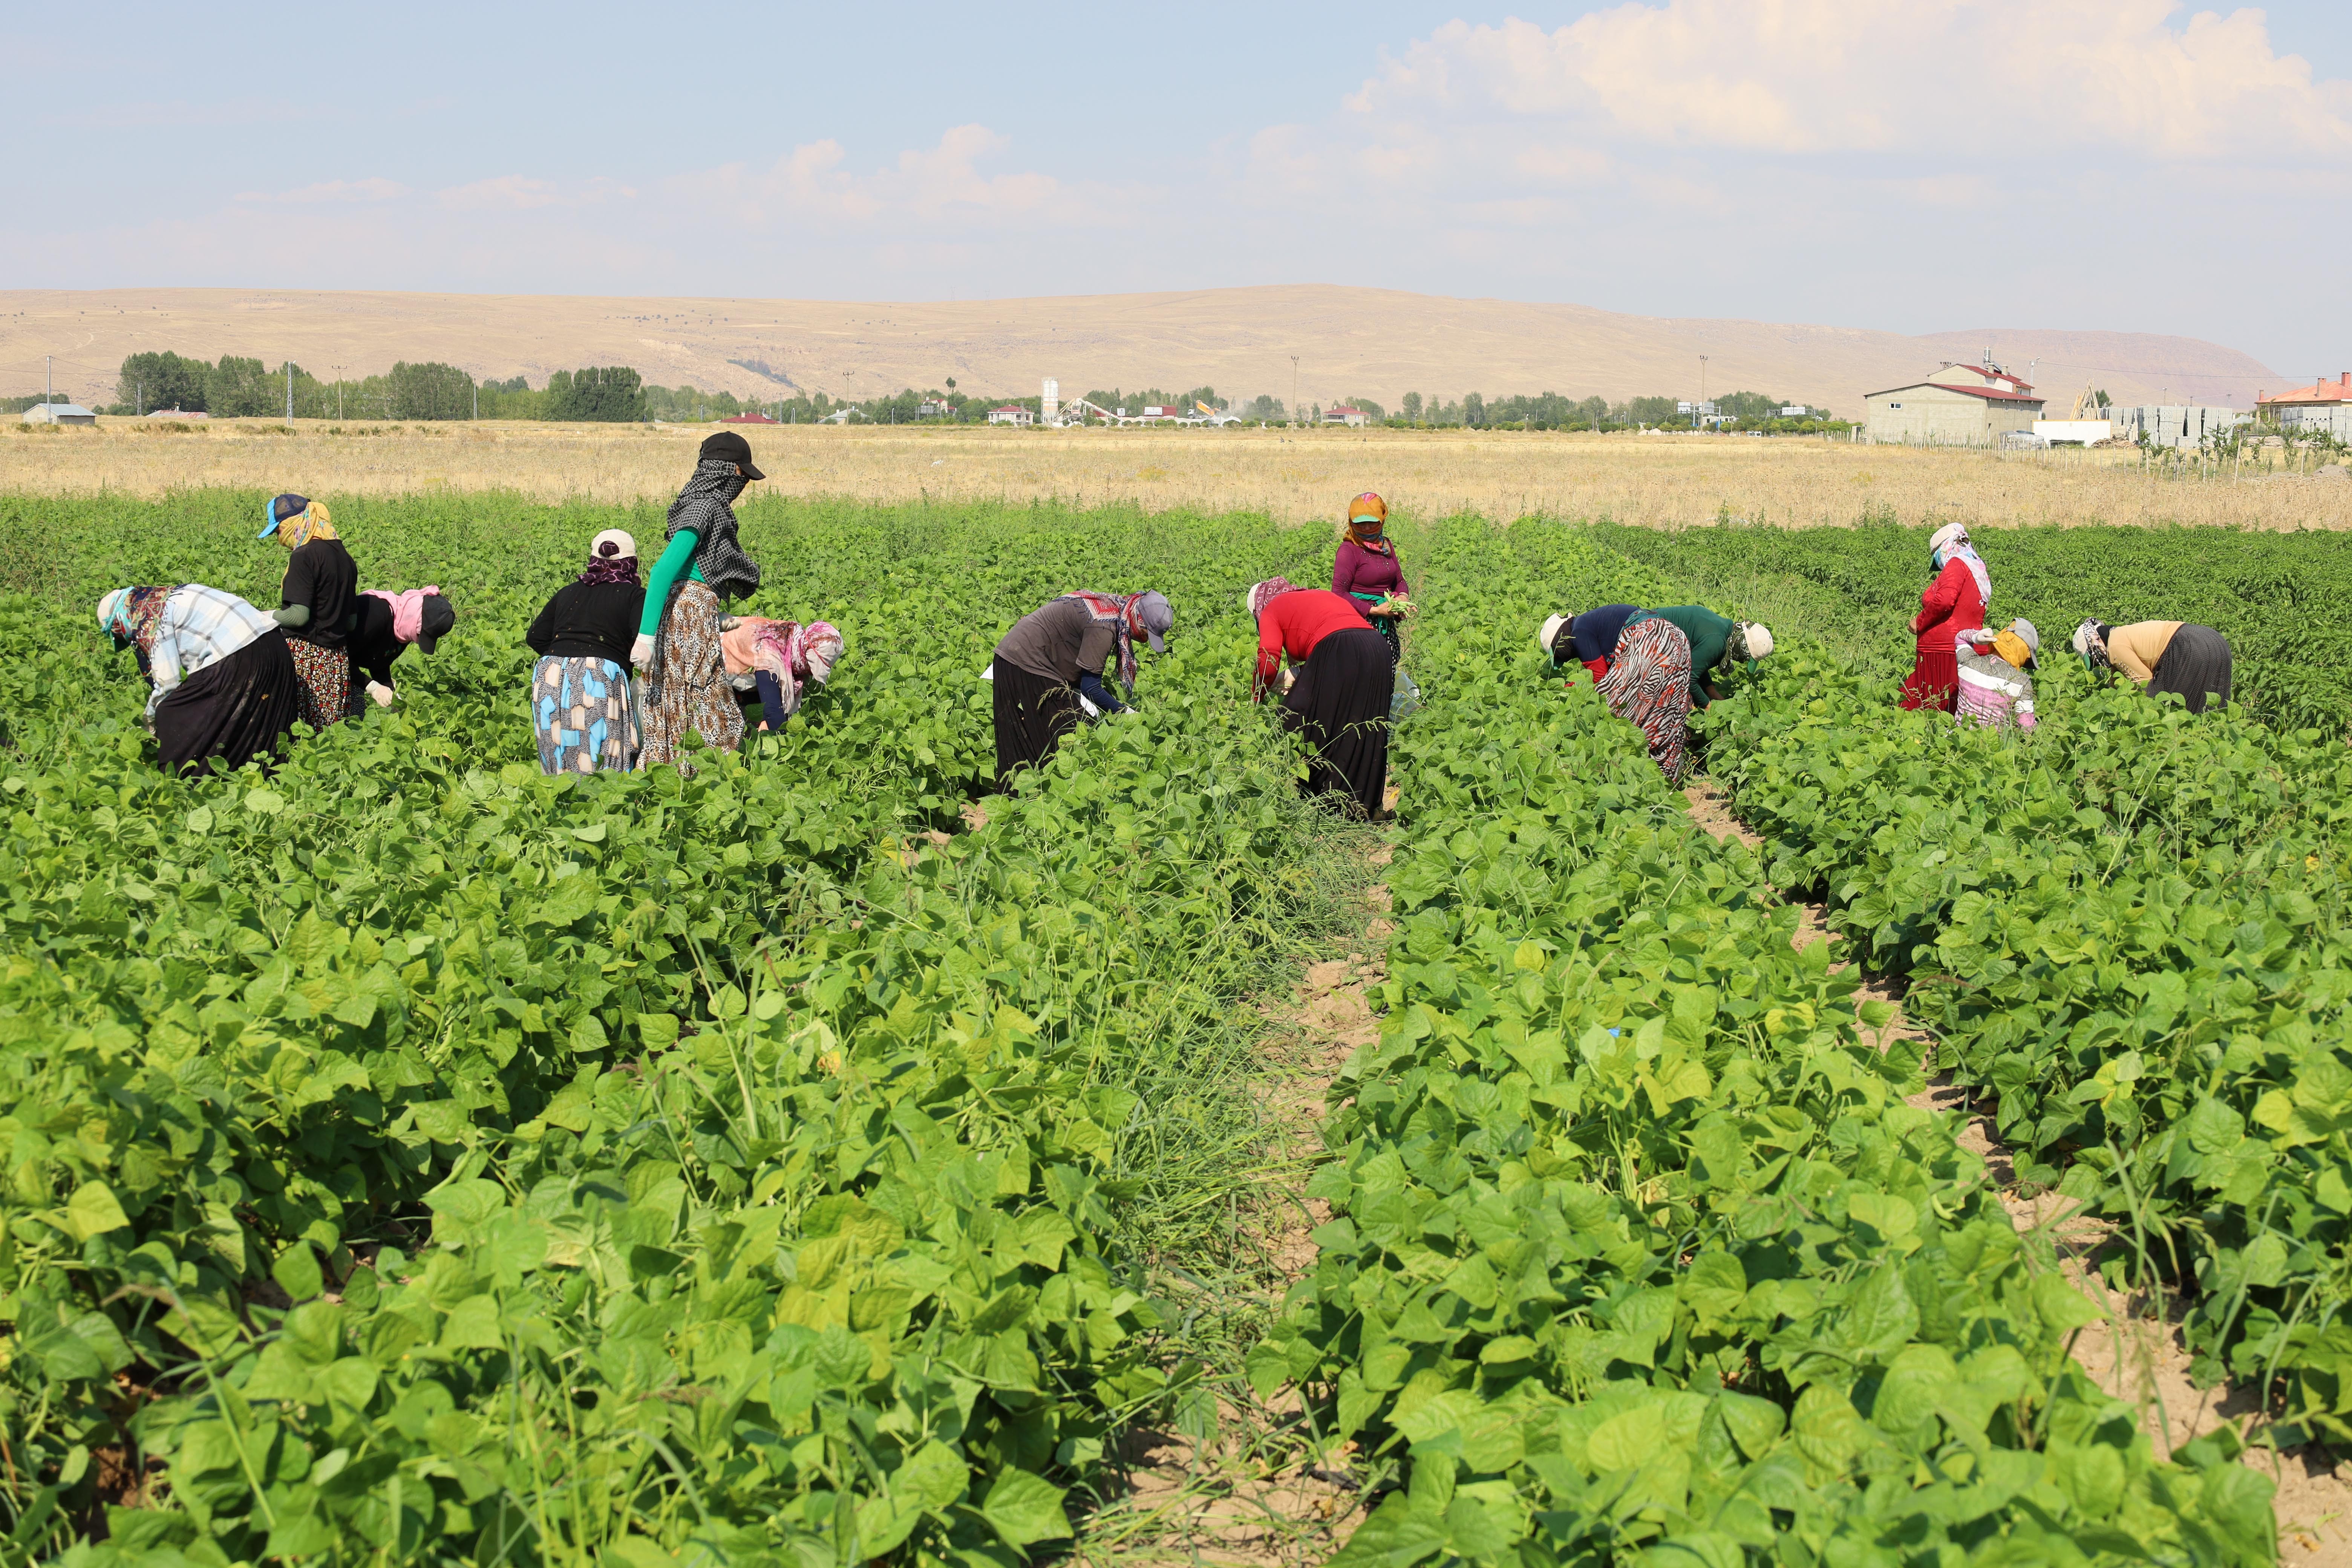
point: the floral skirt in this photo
(325, 677)
(1649, 686)
(685, 686)
(580, 708)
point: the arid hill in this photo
(1349, 343)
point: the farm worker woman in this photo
(2190, 661)
(1996, 691)
(580, 688)
(1340, 695)
(1056, 654)
(1645, 678)
(388, 623)
(319, 606)
(777, 661)
(1951, 608)
(226, 687)
(1368, 570)
(1716, 643)
(1588, 637)
(681, 674)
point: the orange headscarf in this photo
(1367, 517)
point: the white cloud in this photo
(519, 192)
(340, 190)
(940, 186)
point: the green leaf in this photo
(93, 1211)
(1022, 1508)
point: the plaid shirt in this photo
(200, 627)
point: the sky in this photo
(1924, 166)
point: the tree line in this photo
(239, 388)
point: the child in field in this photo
(1996, 688)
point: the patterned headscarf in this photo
(2091, 642)
(1264, 593)
(1951, 541)
(1124, 613)
(296, 521)
(795, 655)
(705, 505)
(1367, 519)
(130, 615)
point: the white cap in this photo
(1947, 534)
(628, 546)
(1249, 598)
(1760, 640)
(1550, 630)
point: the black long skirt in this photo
(1339, 702)
(2195, 667)
(1032, 714)
(229, 713)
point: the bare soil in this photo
(2139, 1352)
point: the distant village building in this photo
(748, 416)
(59, 414)
(2174, 424)
(1011, 414)
(1343, 415)
(187, 415)
(935, 408)
(1959, 405)
(2322, 409)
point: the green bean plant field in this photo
(815, 1158)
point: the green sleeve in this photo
(673, 560)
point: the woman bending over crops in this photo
(1996, 686)
(225, 689)
(776, 661)
(1645, 678)
(579, 689)
(1369, 570)
(2188, 661)
(1951, 607)
(1588, 637)
(1718, 643)
(1048, 670)
(319, 606)
(1343, 681)
(681, 672)
(388, 623)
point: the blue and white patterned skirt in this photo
(580, 707)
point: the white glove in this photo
(641, 652)
(380, 692)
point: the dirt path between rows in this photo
(2139, 1352)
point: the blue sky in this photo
(1938, 165)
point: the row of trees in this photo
(238, 388)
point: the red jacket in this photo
(1295, 623)
(1950, 605)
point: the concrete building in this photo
(1343, 415)
(1959, 405)
(59, 414)
(1011, 414)
(2170, 424)
(2323, 408)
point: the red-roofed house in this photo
(748, 416)
(1343, 415)
(1011, 414)
(2324, 405)
(1958, 406)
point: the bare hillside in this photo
(1349, 343)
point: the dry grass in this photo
(1666, 480)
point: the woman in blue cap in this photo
(319, 606)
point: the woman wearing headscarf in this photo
(1718, 643)
(1344, 681)
(681, 672)
(1996, 687)
(1952, 606)
(1053, 658)
(579, 689)
(1645, 678)
(1588, 637)
(389, 623)
(225, 689)
(777, 661)
(1369, 570)
(2179, 657)
(319, 606)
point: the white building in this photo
(2074, 432)
(1343, 415)
(1011, 414)
(59, 414)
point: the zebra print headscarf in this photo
(703, 506)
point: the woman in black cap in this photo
(681, 668)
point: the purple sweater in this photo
(1357, 570)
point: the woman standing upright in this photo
(681, 672)
(319, 606)
(580, 689)
(1951, 607)
(1055, 656)
(1340, 700)
(225, 685)
(1369, 570)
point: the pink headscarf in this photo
(407, 609)
(793, 653)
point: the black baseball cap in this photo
(435, 622)
(729, 447)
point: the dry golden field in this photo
(1665, 480)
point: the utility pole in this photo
(477, 399)
(1294, 389)
(290, 392)
(1698, 420)
(49, 379)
